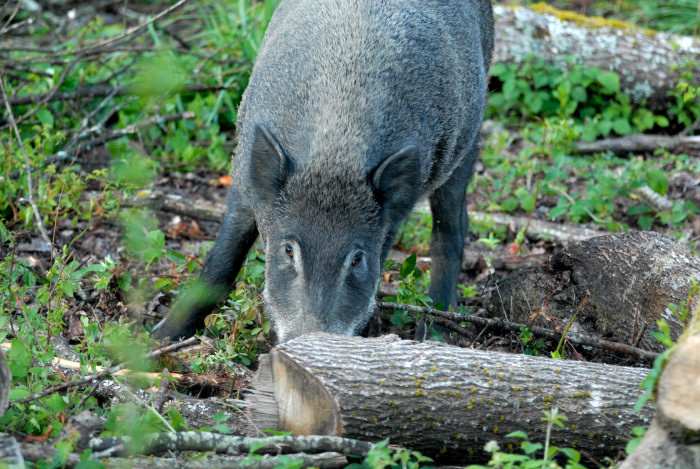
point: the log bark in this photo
(673, 439)
(539, 228)
(643, 59)
(446, 402)
(616, 285)
(639, 144)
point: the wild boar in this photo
(355, 109)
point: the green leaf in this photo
(175, 257)
(222, 428)
(517, 434)
(604, 127)
(18, 393)
(221, 417)
(124, 281)
(68, 288)
(19, 359)
(56, 403)
(579, 94)
(610, 82)
(645, 222)
(557, 211)
(657, 180)
(45, 117)
(662, 121)
(498, 70)
(528, 202)
(510, 204)
(571, 453)
(176, 419)
(621, 126)
(408, 266)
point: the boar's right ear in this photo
(396, 184)
(269, 166)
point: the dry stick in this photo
(104, 373)
(99, 91)
(104, 44)
(573, 337)
(135, 29)
(30, 188)
(227, 444)
(5, 28)
(159, 401)
(49, 95)
(128, 130)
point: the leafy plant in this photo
(531, 345)
(589, 95)
(529, 459)
(412, 288)
(241, 319)
(679, 17)
(381, 456)
(663, 335)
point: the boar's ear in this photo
(269, 166)
(396, 184)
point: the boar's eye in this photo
(289, 251)
(357, 259)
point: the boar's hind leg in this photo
(449, 228)
(236, 236)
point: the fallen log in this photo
(639, 144)
(536, 229)
(673, 439)
(617, 286)
(647, 62)
(443, 401)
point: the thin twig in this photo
(100, 91)
(100, 46)
(5, 28)
(30, 186)
(49, 95)
(128, 130)
(104, 373)
(574, 337)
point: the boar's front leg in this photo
(449, 228)
(236, 236)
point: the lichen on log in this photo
(446, 402)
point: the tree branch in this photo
(573, 337)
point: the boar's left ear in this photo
(269, 166)
(396, 184)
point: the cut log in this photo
(443, 401)
(646, 62)
(673, 439)
(616, 285)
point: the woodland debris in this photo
(646, 61)
(155, 443)
(536, 229)
(452, 320)
(639, 144)
(629, 280)
(673, 439)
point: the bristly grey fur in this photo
(355, 109)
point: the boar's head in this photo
(326, 228)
